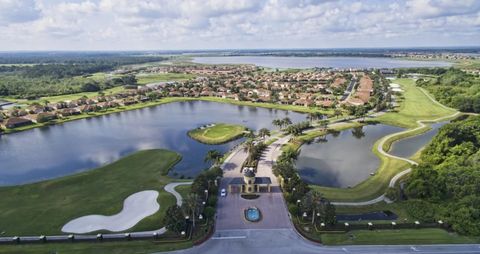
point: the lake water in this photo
(59, 150)
(320, 62)
(342, 160)
(409, 146)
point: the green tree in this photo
(174, 219)
(264, 132)
(213, 156)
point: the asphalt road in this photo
(287, 241)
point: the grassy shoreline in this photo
(44, 207)
(299, 109)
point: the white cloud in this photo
(170, 24)
(15, 11)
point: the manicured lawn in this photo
(44, 207)
(296, 108)
(122, 247)
(404, 236)
(152, 78)
(415, 106)
(217, 134)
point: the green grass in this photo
(398, 208)
(44, 207)
(184, 190)
(75, 96)
(296, 108)
(404, 236)
(123, 247)
(217, 134)
(158, 77)
(415, 106)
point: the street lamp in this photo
(203, 203)
(200, 217)
(206, 194)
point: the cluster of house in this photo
(320, 88)
(363, 93)
(38, 113)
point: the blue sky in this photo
(218, 24)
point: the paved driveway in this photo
(230, 209)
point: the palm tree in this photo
(249, 145)
(323, 124)
(313, 201)
(286, 121)
(289, 155)
(191, 205)
(337, 113)
(213, 156)
(278, 123)
(263, 132)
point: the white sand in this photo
(135, 208)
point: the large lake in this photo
(344, 159)
(320, 62)
(59, 150)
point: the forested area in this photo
(453, 87)
(446, 184)
(42, 74)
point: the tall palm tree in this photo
(213, 156)
(286, 121)
(263, 132)
(191, 205)
(313, 201)
(277, 123)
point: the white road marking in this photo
(413, 248)
(228, 237)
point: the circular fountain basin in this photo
(253, 214)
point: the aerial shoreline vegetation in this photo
(406, 115)
(217, 133)
(44, 207)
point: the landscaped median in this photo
(217, 133)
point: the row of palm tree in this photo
(282, 123)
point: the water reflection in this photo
(87, 143)
(345, 159)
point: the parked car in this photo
(223, 193)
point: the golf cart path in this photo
(421, 124)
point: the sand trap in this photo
(135, 208)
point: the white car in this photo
(223, 193)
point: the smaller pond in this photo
(253, 214)
(342, 159)
(382, 215)
(409, 146)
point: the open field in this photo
(158, 77)
(404, 236)
(415, 106)
(44, 207)
(75, 96)
(217, 134)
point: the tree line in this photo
(446, 184)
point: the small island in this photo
(217, 133)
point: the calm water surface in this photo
(409, 146)
(59, 150)
(320, 62)
(342, 160)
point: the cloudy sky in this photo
(219, 24)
